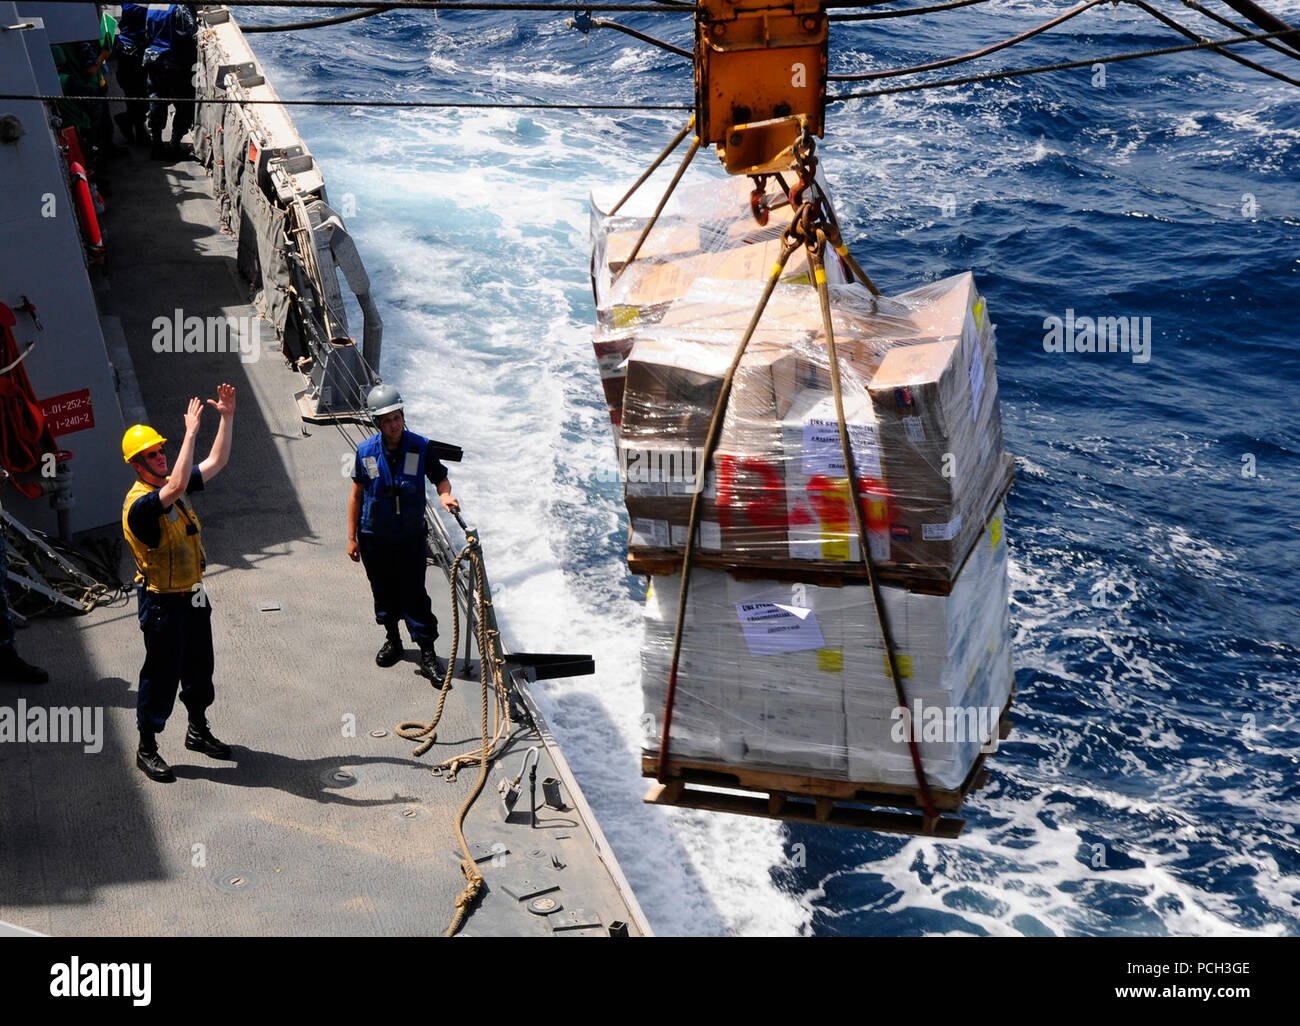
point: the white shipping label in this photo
(677, 533)
(710, 535)
(915, 429)
(412, 465)
(771, 629)
(371, 464)
(685, 488)
(941, 532)
(823, 453)
(976, 372)
(637, 488)
(648, 533)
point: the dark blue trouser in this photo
(177, 650)
(135, 84)
(169, 82)
(396, 572)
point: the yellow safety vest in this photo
(176, 564)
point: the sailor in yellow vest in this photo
(163, 532)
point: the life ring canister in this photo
(86, 211)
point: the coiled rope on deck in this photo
(491, 669)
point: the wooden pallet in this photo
(777, 794)
(924, 580)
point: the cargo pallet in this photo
(821, 802)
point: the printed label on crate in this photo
(648, 533)
(644, 489)
(902, 663)
(835, 547)
(942, 532)
(915, 429)
(830, 660)
(685, 488)
(771, 629)
(823, 453)
(710, 534)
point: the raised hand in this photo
(192, 416)
(224, 403)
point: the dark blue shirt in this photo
(143, 515)
(170, 32)
(130, 29)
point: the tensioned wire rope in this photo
(991, 76)
(669, 7)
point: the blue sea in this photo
(1152, 782)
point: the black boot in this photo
(148, 759)
(156, 149)
(15, 670)
(199, 738)
(391, 651)
(431, 666)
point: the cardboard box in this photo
(751, 505)
(949, 742)
(673, 386)
(818, 500)
(655, 284)
(659, 524)
(666, 239)
(806, 686)
(800, 733)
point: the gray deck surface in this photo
(269, 843)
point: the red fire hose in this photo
(24, 435)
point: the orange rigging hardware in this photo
(760, 77)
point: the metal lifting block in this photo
(760, 74)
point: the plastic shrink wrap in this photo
(920, 402)
(706, 232)
(789, 675)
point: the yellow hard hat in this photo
(137, 439)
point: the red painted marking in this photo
(69, 412)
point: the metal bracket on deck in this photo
(549, 666)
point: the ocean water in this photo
(1152, 784)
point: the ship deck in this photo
(316, 827)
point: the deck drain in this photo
(544, 906)
(379, 733)
(235, 882)
(338, 777)
(410, 813)
(538, 854)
